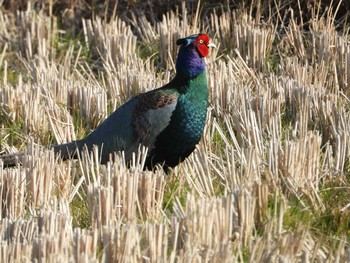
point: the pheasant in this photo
(169, 120)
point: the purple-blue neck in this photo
(189, 63)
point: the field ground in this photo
(270, 180)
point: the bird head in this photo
(200, 41)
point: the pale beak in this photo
(211, 45)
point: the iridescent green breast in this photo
(186, 126)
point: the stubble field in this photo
(269, 181)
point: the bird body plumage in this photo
(186, 125)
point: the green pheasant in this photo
(169, 120)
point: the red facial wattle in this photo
(202, 43)
(203, 50)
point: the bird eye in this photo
(201, 41)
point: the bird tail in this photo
(12, 159)
(64, 151)
(68, 150)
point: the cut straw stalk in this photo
(273, 132)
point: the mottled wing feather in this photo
(154, 101)
(150, 117)
(140, 120)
